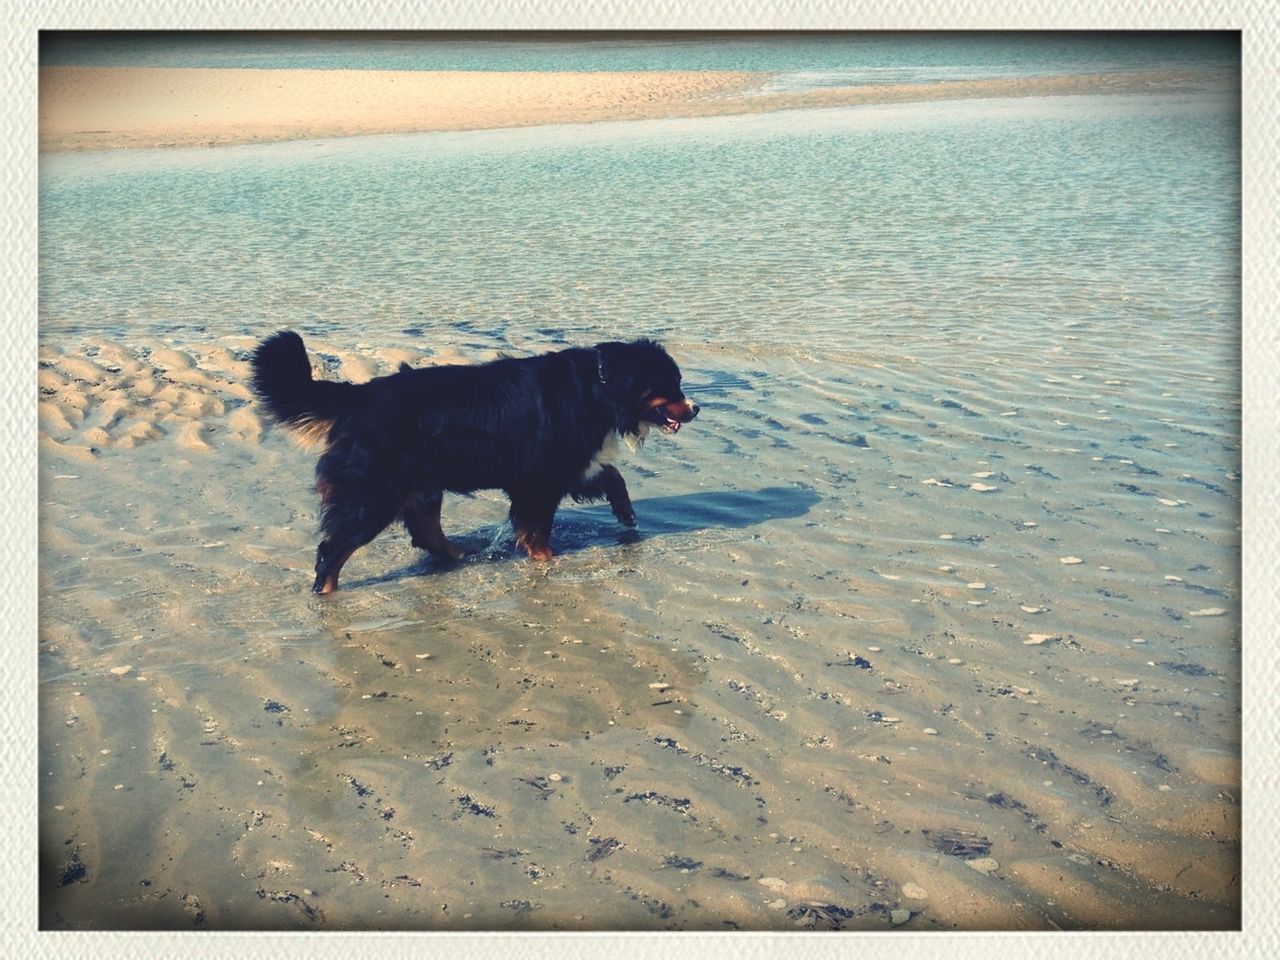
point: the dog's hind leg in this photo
(348, 525)
(532, 516)
(421, 516)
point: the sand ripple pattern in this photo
(105, 396)
(815, 704)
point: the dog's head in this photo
(643, 382)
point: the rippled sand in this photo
(876, 697)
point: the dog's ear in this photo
(619, 380)
(624, 365)
(613, 369)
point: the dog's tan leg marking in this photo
(422, 517)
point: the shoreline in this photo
(105, 108)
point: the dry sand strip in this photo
(92, 108)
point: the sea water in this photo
(801, 60)
(843, 228)
(945, 575)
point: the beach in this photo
(91, 108)
(732, 711)
(931, 621)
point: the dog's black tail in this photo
(283, 382)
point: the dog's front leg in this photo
(615, 489)
(608, 483)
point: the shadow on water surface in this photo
(579, 528)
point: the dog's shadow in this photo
(580, 528)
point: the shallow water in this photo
(944, 352)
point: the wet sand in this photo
(732, 720)
(91, 108)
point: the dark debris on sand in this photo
(959, 843)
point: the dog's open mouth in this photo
(670, 416)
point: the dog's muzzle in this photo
(676, 414)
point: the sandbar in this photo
(95, 108)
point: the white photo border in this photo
(1256, 19)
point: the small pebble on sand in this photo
(1070, 560)
(913, 891)
(1207, 612)
(899, 917)
(976, 585)
(773, 883)
(930, 731)
(982, 487)
(1033, 609)
(121, 671)
(984, 864)
(1036, 639)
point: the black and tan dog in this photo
(539, 428)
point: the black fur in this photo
(528, 426)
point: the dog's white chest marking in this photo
(607, 455)
(611, 450)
